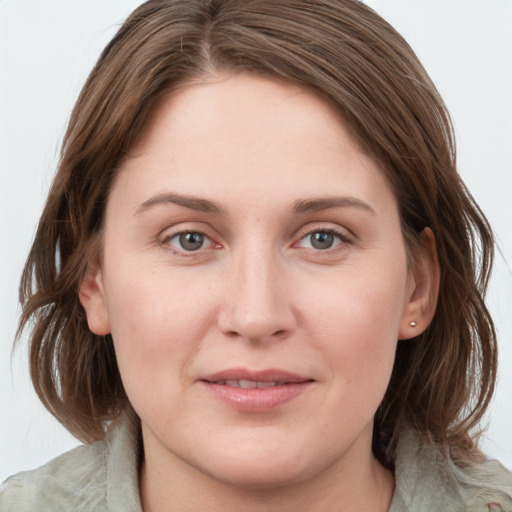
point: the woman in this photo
(242, 226)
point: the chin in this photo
(262, 468)
(256, 476)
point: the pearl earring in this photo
(412, 324)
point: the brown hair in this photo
(343, 51)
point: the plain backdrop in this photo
(47, 49)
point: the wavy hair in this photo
(342, 51)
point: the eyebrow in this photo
(194, 203)
(316, 205)
(300, 206)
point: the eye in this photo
(188, 241)
(322, 240)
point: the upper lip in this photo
(269, 375)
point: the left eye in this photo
(188, 241)
(321, 240)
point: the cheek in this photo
(357, 319)
(359, 303)
(156, 323)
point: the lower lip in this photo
(256, 399)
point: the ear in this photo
(422, 288)
(92, 298)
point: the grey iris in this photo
(191, 241)
(322, 239)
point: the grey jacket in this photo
(103, 477)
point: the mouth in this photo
(249, 384)
(259, 391)
(262, 379)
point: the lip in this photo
(289, 386)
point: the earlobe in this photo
(423, 289)
(92, 298)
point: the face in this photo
(255, 282)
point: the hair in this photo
(344, 52)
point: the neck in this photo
(355, 485)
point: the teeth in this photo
(267, 384)
(249, 384)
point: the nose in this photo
(257, 303)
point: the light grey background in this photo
(47, 49)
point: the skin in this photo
(256, 295)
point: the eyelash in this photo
(343, 240)
(166, 242)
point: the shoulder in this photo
(426, 481)
(488, 484)
(63, 482)
(100, 476)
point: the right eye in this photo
(188, 241)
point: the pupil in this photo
(191, 241)
(322, 240)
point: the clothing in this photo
(103, 477)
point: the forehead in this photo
(249, 135)
(241, 98)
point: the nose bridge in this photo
(256, 305)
